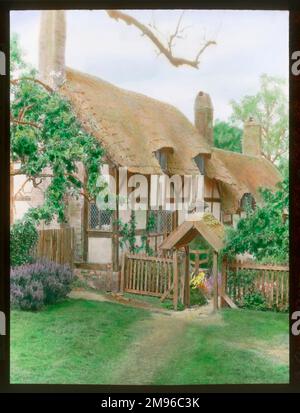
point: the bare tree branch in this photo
(167, 51)
(175, 35)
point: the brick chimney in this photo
(204, 115)
(52, 44)
(252, 138)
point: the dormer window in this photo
(247, 201)
(162, 157)
(199, 160)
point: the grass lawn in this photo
(91, 342)
(73, 342)
(246, 347)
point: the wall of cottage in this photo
(100, 248)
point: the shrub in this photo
(23, 238)
(254, 301)
(198, 297)
(198, 289)
(38, 284)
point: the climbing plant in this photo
(48, 143)
(127, 233)
(150, 227)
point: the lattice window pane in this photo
(163, 220)
(100, 219)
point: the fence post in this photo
(223, 281)
(122, 279)
(175, 272)
(187, 276)
(215, 275)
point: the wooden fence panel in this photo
(272, 281)
(145, 275)
(56, 245)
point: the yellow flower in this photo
(198, 281)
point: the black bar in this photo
(150, 4)
(294, 199)
(4, 204)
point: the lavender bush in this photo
(38, 284)
(209, 283)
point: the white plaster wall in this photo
(20, 208)
(216, 210)
(124, 216)
(35, 196)
(100, 250)
(141, 219)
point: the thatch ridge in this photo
(132, 126)
(238, 174)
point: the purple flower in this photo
(38, 284)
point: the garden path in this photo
(163, 336)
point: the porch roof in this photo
(208, 227)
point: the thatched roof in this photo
(208, 227)
(132, 126)
(238, 174)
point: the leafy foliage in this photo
(253, 298)
(199, 243)
(227, 136)
(269, 106)
(128, 234)
(39, 284)
(150, 227)
(198, 297)
(264, 232)
(48, 142)
(254, 301)
(23, 238)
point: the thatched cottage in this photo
(153, 138)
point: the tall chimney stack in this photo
(252, 138)
(52, 44)
(204, 115)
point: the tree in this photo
(269, 106)
(48, 142)
(53, 43)
(166, 47)
(47, 139)
(264, 232)
(227, 137)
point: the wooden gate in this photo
(146, 275)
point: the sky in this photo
(249, 43)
